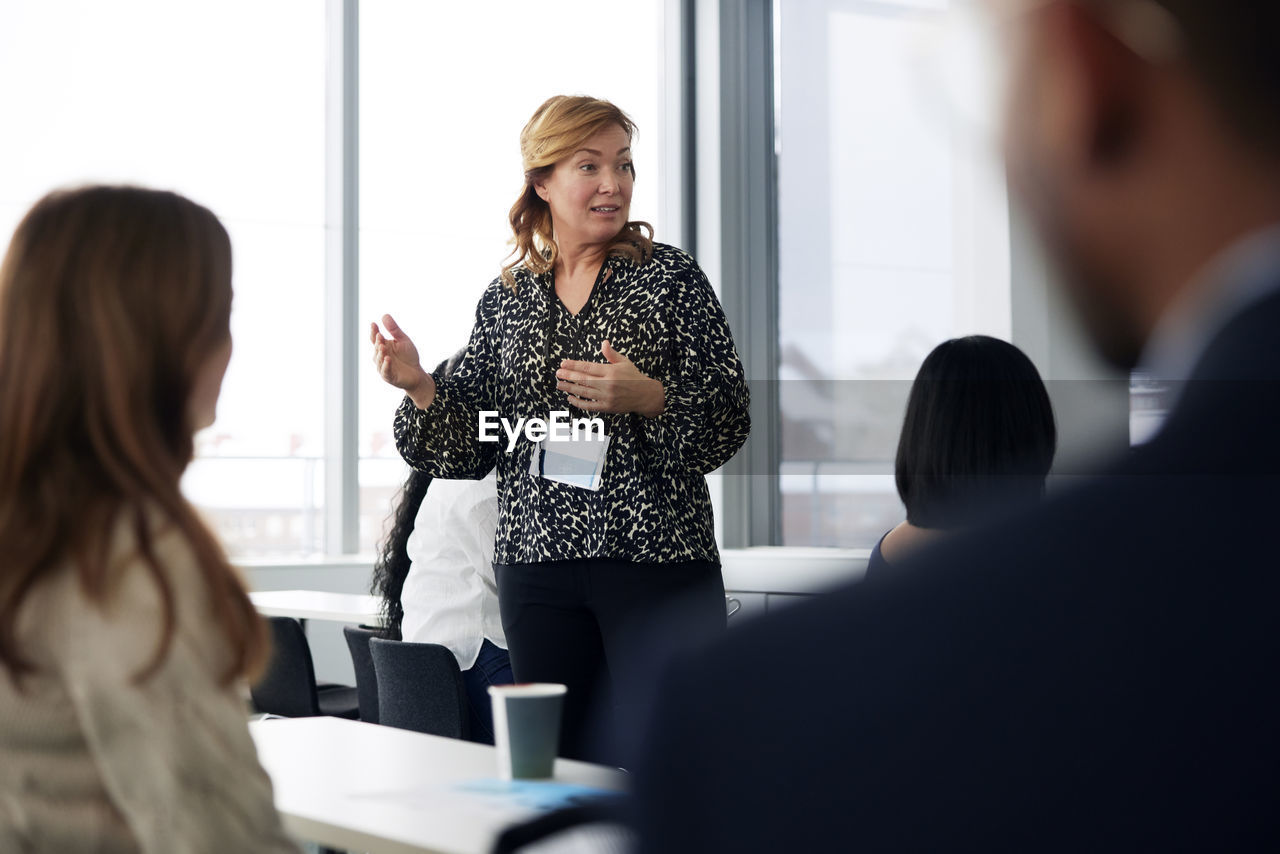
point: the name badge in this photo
(577, 461)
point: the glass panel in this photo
(893, 237)
(444, 92)
(223, 102)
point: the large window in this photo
(892, 229)
(231, 103)
(893, 236)
(223, 102)
(444, 91)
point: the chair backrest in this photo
(420, 687)
(358, 638)
(288, 687)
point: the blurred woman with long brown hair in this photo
(124, 631)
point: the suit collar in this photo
(1238, 278)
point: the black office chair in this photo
(358, 638)
(420, 688)
(289, 689)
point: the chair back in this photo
(420, 688)
(358, 638)
(288, 687)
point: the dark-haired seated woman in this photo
(125, 634)
(977, 442)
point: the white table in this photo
(366, 787)
(790, 569)
(318, 605)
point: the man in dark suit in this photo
(1102, 672)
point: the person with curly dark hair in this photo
(392, 564)
(434, 574)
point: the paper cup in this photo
(526, 728)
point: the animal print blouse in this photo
(653, 504)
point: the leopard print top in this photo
(653, 504)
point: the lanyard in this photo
(551, 324)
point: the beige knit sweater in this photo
(90, 761)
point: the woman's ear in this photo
(540, 187)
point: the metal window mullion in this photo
(749, 263)
(689, 125)
(342, 470)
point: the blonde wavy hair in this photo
(557, 129)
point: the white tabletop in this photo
(317, 605)
(366, 787)
(791, 569)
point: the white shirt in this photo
(449, 595)
(1240, 276)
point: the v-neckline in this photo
(601, 275)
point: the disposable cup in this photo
(526, 728)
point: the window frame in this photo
(748, 246)
(342, 277)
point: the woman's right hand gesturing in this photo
(396, 359)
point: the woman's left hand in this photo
(616, 387)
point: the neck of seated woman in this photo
(906, 539)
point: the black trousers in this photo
(598, 626)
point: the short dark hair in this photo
(978, 435)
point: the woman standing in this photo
(123, 629)
(592, 318)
